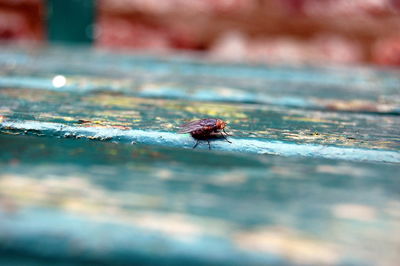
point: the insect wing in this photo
(191, 126)
(196, 125)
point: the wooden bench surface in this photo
(93, 170)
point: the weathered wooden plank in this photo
(358, 89)
(256, 128)
(81, 201)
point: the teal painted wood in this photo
(93, 170)
(91, 202)
(255, 128)
(326, 112)
(354, 89)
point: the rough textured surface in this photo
(93, 171)
(132, 203)
(107, 96)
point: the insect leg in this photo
(197, 143)
(225, 132)
(225, 138)
(209, 146)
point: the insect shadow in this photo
(209, 138)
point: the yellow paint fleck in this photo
(354, 212)
(175, 225)
(216, 110)
(164, 174)
(230, 178)
(113, 152)
(117, 100)
(309, 119)
(51, 116)
(340, 169)
(168, 125)
(287, 243)
(359, 105)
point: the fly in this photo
(205, 129)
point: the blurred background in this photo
(252, 31)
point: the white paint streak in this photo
(260, 146)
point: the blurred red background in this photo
(270, 31)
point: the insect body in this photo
(205, 129)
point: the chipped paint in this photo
(177, 140)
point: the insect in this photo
(205, 129)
